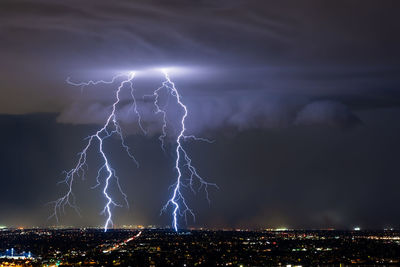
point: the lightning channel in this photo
(182, 159)
(111, 127)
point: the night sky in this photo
(302, 99)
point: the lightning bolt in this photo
(183, 160)
(110, 128)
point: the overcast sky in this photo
(301, 97)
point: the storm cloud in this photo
(307, 92)
(327, 112)
(249, 60)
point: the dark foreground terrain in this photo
(93, 247)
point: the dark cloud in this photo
(327, 112)
(274, 76)
(314, 50)
(212, 113)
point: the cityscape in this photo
(165, 247)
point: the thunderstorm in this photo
(183, 162)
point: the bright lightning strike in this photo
(110, 127)
(183, 160)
